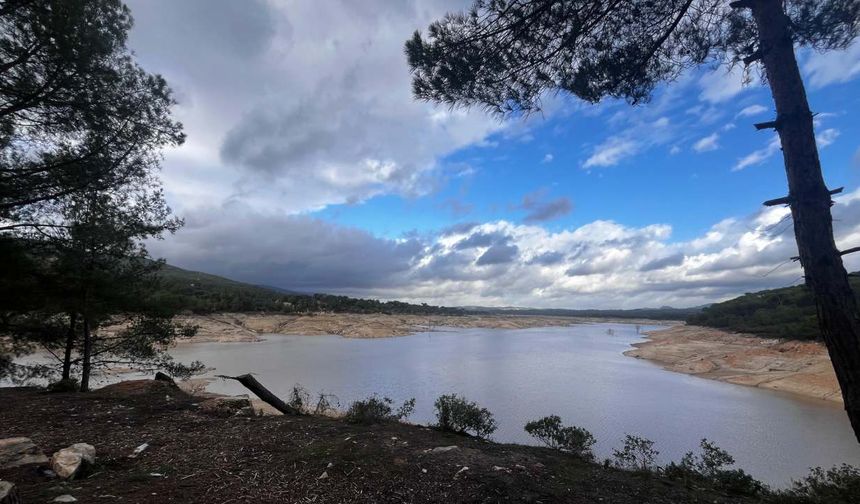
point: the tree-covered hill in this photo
(205, 293)
(778, 313)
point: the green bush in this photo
(637, 454)
(712, 466)
(456, 414)
(574, 440)
(378, 410)
(299, 399)
(837, 485)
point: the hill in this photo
(201, 293)
(662, 313)
(778, 313)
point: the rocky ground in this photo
(194, 456)
(802, 368)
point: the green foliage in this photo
(456, 414)
(378, 410)
(837, 485)
(780, 313)
(505, 56)
(574, 440)
(637, 454)
(299, 398)
(204, 293)
(712, 466)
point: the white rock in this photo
(323, 476)
(8, 491)
(140, 449)
(19, 451)
(443, 449)
(68, 461)
(461, 471)
(65, 498)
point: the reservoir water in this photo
(577, 372)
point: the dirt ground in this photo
(802, 368)
(194, 457)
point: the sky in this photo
(310, 167)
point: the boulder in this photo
(69, 461)
(19, 451)
(65, 498)
(226, 406)
(9, 494)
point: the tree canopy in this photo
(76, 111)
(504, 55)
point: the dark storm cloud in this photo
(479, 239)
(663, 262)
(499, 253)
(547, 259)
(293, 252)
(539, 210)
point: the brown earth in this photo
(229, 327)
(797, 367)
(193, 457)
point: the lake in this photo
(577, 372)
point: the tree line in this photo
(82, 130)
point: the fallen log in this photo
(263, 393)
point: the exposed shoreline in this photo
(796, 367)
(250, 327)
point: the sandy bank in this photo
(802, 368)
(239, 327)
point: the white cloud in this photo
(752, 110)
(721, 85)
(709, 143)
(832, 67)
(547, 158)
(291, 106)
(827, 137)
(611, 152)
(759, 156)
(599, 264)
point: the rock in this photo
(69, 461)
(443, 449)
(163, 377)
(9, 493)
(323, 476)
(225, 406)
(19, 451)
(140, 449)
(461, 471)
(65, 498)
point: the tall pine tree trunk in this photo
(88, 349)
(70, 344)
(810, 204)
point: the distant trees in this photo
(82, 127)
(503, 55)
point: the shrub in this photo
(456, 414)
(299, 399)
(837, 485)
(65, 385)
(550, 431)
(637, 454)
(712, 466)
(326, 404)
(377, 410)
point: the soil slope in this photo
(194, 457)
(801, 368)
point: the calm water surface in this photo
(578, 373)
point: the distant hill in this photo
(662, 313)
(778, 313)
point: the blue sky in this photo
(309, 166)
